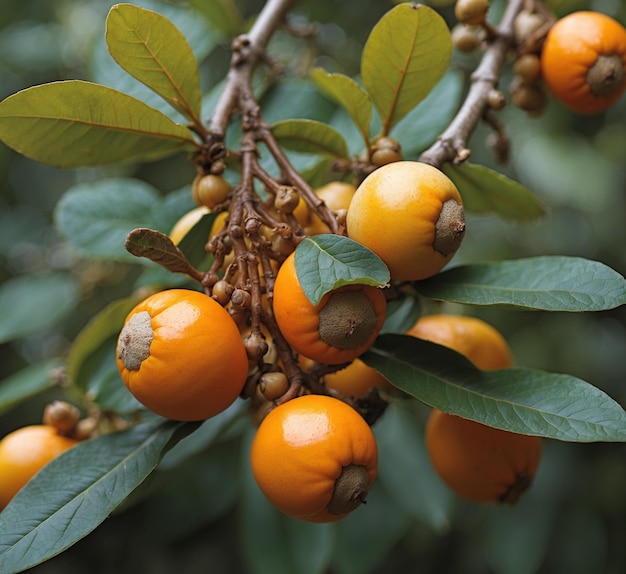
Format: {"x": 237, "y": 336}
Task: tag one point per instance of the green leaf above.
{"x": 75, "y": 123}
{"x": 194, "y": 242}
{"x": 519, "y": 400}
{"x": 487, "y": 191}
{"x": 223, "y": 14}
{"x": 422, "y": 125}
{"x": 103, "y": 327}
{"x": 548, "y": 283}
{"x": 402, "y": 314}
{"x": 150, "y": 48}
{"x": 199, "y": 34}
{"x": 159, "y": 248}
{"x": 25, "y": 384}
{"x": 310, "y": 136}
{"x": 405, "y": 55}
{"x": 295, "y": 98}
{"x": 404, "y": 467}
{"x": 78, "y": 490}
{"x": 210, "y": 432}
{"x": 96, "y": 218}
{"x": 348, "y": 94}
{"x": 326, "y": 262}
{"x": 33, "y": 303}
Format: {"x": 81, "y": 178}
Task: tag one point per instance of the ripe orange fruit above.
{"x": 472, "y": 337}
{"x": 181, "y": 355}
{"x": 356, "y": 380}
{"x": 411, "y": 215}
{"x": 342, "y": 326}
{"x": 480, "y": 463}
{"x": 314, "y": 458}
{"x": 583, "y": 61}
{"x": 337, "y": 196}
{"x": 24, "y": 452}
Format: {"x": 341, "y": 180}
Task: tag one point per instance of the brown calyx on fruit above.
{"x": 606, "y": 76}
{"x": 515, "y": 491}
{"x": 449, "y": 228}
{"x": 133, "y": 346}
{"x": 348, "y": 320}
{"x": 350, "y": 489}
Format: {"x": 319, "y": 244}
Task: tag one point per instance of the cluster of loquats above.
{"x": 580, "y": 58}
{"x": 252, "y": 331}
{"x": 314, "y": 455}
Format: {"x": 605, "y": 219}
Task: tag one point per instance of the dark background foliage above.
{"x": 206, "y": 516}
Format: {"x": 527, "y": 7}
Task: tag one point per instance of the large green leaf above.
{"x": 78, "y": 490}
{"x": 150, "y": 48}
{"x": 75, "y": 123}
{"x": 485, "y": 190}
{"x": 326, "y": 262}
{"x": 348, "y": 94}
{"x": 519, "y": 400}
{"x": 310, "y": 136}
{"x": 33, "y": 303}
{"x": 199, "y": 34}
{"x": 404, "y": 57}
{"x": 26, "y": 383}
{"x": 96, "y": 218}
{"x": 548, "y": 283}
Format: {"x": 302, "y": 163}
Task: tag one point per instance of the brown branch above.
{"x": 248, "y": 50}
{"x": 452, "y": 144}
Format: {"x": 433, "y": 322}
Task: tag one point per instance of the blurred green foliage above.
{"x": 207, "y": 515}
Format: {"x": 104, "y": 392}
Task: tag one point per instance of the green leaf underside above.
{"x": 326, "y": 262}
{"x": 51, "y": 297}
{"x": 152, "y": 50}
{"x": 547, "y": 283}
{"x": 26, "y": 383}
{"x": 348, "y": 94}
{"x": 487, "y": 191}
{"x": 96, "y": 218}
{"x": 159, "y": 248}
{"x": 75, "y": 123}
{"x": 310, "y": 136}
{"x": 404, "y": 57}
{"x": 519, "y": 400}
{"x": 424, "y": 123}
{"x": 78, "y": 490}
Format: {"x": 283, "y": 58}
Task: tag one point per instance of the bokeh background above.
{"x": 206, "y": 516}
